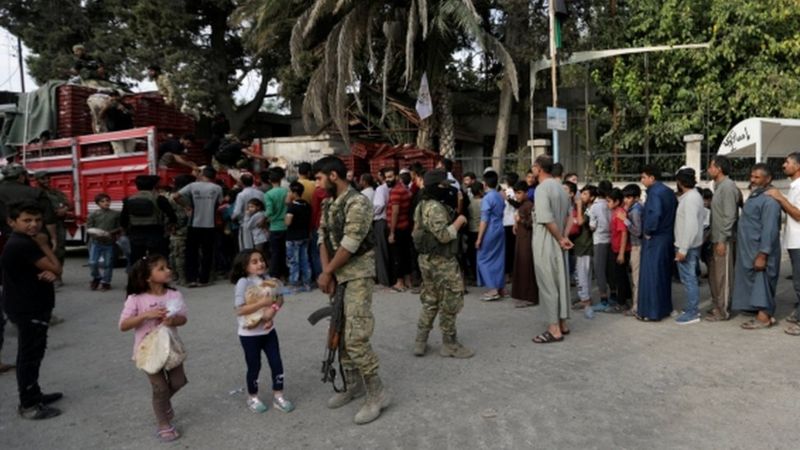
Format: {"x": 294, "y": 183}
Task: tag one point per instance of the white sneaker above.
{"x": 256, "y": 405}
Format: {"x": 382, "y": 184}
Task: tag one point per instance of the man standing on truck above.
{"x": 145, "y": 216}
{"x": 118, "y": 116}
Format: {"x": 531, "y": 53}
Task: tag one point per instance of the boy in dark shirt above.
{"x": 298, "y": 219}
{"x": 103, "y": 225}
{"x": 29, "y": 269}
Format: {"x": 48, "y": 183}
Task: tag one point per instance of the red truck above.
{"x": 78, "y": 170}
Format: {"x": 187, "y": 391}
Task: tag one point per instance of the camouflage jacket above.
{"x": 352, "y": 211}
{"x": 434, "y": 232}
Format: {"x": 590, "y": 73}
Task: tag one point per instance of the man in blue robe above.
{"x": 758, "y": 252}
{"x": 658, "y": 251}
{"x": 491, "y": 242}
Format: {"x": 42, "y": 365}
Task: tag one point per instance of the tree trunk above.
{"x": 447, "y": 131}
{"x": 425, "y": 134}
{"x": 503, "y": 121}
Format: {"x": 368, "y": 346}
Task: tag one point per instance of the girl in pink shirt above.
{"x": 152, "y": 302}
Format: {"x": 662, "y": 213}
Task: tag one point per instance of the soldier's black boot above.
{"x": 421, "y": 344}
{"x": 377, "y": 400}
{"x": 355, "y": 389}
{"x": 451, "y": 347}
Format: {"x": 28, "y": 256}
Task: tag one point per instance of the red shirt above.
{"x": 617, "y": 228}
{"x": 320, "y": 194}
{"x": 399, "y": 195}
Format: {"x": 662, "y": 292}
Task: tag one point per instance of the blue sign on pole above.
{"x": 556, "y": 119}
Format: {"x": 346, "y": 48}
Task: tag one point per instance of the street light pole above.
{"x": 21, "y": 67}
{"x": 553, "y": 70}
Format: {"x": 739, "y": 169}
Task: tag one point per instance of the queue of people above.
{"x": 416, "y": 227}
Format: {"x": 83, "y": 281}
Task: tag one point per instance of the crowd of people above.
{"x": 406, "y": 229}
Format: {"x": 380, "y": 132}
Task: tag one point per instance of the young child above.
{"x": 29, "y": 269}
{"x": 102, "y": 226}
{"x": 633, "y": 221}
{"x": 298, "y": 220}
{"x": 620, "y": 251}
{"x": 252, "y": 233}
{"x": 250, "y": 269}
{"x": 599, "y": 220}
{"x": 584, "y": 248}
{"x": 474, "y": 209}
{"x": 152, "y": 302}
{"x": 523, "y": 285}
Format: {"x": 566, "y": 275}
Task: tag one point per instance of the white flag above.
{"x": 424, "y": 103}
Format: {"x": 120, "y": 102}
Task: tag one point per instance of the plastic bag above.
{"x": 161, "y": 349}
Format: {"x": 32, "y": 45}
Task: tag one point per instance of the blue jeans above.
{"x": 106, "y": 252}
{"x": 313, "y": 250}
{"x": 687, "y": 270}
{"x": 297, "y": 259}
{"x": 253, "y": 346}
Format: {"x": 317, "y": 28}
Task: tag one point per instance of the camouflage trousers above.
{"x": 177, "y": 257}
{"x": 359, "y": 323}
{"x": 61, "y": 241}
{"x": 442, "y": 293}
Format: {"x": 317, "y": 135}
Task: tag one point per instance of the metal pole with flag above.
{"x": 424, "y": 102}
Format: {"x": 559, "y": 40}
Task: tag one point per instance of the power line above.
{"x": 11, "y": 77}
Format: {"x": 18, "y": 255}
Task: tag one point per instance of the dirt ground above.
{"x": 614, "y": 383}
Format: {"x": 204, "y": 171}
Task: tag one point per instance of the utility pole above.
{"x": 553, "y": 70}
{"x": 21, "y": 67}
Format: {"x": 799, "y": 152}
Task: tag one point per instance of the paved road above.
{"x": 615, "y": 383}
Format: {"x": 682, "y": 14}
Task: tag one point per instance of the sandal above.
{"x": 547, "y": 338}
{"x": 792, "y": 318}
{"x": 490, "y": 298}
{"x": 397, "y": 289}
{"x": 793, "y": 330}
{"x": 755, "y": 324}
{"x": 614, "y": 309}
{"x": 581, "y": 304}
{"x": 523, "y": 304}
{"x": 629, "y": 313}
{"x": 564, "y": 332}
{"x": 168, "y": 434}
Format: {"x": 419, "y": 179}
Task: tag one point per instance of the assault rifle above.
{"x": 335, "y": 343}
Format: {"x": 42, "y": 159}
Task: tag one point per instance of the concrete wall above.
{"x": 303, "y": 148}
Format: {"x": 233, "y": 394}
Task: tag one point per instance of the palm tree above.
{"x": 343, "y": 46}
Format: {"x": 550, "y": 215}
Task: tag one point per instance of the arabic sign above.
{"x": 737, "y": 138}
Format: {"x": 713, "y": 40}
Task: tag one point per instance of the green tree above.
{"x": 50, "y": 28}
{"x": 196, "y": 42}
{"x": 652, "y": 101}
{"x": 343, "y": 47}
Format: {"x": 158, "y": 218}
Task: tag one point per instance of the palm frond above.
{"x": 313, "y": 108}
{"x": 423, "y": 17}
{"x": 347, "y": 45}
{"x": 472, "y": 10}
{"x": 492, "y": 45}
{"x": 387, "y": 64}
{"x": 411, "y": 37}
{"x": 297, "y": 41}
{"x": 319, "y": 8}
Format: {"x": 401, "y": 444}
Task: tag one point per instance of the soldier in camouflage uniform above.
{"x": 61, "y": 207}
{"x": 436, "y": 239}
{"x": 346, "y": 249}
{"x": 177, "y": 238}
